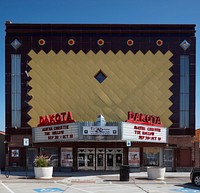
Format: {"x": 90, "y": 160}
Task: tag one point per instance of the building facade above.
{"x": 197, "y": 147}
{"x": 94, "y": 97}
{"x": 2, "y": 150}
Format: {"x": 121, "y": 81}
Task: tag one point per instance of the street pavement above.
{"x": 96, "y": 182}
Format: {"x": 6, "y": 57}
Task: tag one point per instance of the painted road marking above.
{"x": 7, "y": 188}
{"x": 80, "y": 190}
{"x": 186, "y": 190}
{"x": 48, "y": 190}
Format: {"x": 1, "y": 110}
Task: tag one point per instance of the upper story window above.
{"x": 16, "y": 90}
{"x": 184, "y": 91}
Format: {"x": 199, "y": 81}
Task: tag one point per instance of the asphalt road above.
{"x": 138, "y": 183}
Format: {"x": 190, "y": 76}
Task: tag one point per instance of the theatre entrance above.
{"x": 99, "y": 158}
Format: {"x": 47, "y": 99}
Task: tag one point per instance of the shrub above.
{"x": 42, "y": 161}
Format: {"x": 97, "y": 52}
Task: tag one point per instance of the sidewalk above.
{"x": 93, "y": 177}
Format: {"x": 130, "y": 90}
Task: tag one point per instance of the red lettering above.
{"x": 153, "y": 129}
{"x": 153, "y": 138}
{"x": 57, "y": 132}
{"x": 44, "y": 120}
{"x": 65, "y": 126}
{"x": 52, "y": 119}
{"x": 47, "y": 133}
{"x": 69, "y": 116}
{"x": 147, "y": 133}
{"x": 137, "y": 117}
{"x": 65, "y": 136}
{"x": 50, "y": 137}
{"x": 65, "y": 117}
{"x": 58, "y": 118}
{"x": 158, "y": 121}
{"x": 140, "y": 118}
{"x": 130, "y": 115}
{"x": 141, "y": 137}
{"x": 139, "y": 127}
{"x": 137, "y": 132}
{"x": 148, "y": 119}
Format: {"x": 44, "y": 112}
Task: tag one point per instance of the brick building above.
{"x": 139, "y": 80}
{"x": 197, "y": 147}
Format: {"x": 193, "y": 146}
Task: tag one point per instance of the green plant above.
{"x": 42, "y": 161}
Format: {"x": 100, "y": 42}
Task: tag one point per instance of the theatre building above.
{"x": 97, "y": 96}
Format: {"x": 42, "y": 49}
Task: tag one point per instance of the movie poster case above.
{"x": 66, "y": 157}
{"x": 134, "y": 157}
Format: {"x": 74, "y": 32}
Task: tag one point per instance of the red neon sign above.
{"x": 54, "y": 119}
{"x": 140, "y": 118}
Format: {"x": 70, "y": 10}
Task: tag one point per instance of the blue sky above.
{"x": 98, "y": 11}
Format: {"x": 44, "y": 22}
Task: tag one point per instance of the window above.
{"x": 51, "y": 153}
{"x": 151, "y": 156}
{"x": 184, "y": 91}
{"x": 16, "y": 89}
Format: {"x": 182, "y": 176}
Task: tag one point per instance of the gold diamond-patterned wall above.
{"x": 65, "y": 82}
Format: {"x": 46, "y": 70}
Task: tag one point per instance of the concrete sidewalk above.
{"x": 94, "y": 177}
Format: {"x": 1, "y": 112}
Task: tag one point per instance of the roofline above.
{"x": 29, "y": 28}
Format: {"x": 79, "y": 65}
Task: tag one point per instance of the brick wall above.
{"x": 17, "y": 140}
{"x": 183, "y": 144}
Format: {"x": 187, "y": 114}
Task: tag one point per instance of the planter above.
{"x": 43, "y": 172}
{"x": 156, "y": 173}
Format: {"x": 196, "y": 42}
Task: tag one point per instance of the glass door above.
{"x": 90, "y": 159}
{"x": 100, "y": 159}
{"x": 114, "y": 158}
{"x": 168, "y": 159}
{"x": 81, "y": 159}
{"x": 86, "y": 159}
{"x": 118, "y": 158}
{"x": 31, "y": 153}
{"x": 110, "y": 159}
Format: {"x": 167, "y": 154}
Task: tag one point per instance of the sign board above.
{"x": 144, "y": 133}
{"x": 26, "y": 141}
{"x": 55, "y": 133}
{"x": 100, "y": 130}
{"x": 128, "y": 143}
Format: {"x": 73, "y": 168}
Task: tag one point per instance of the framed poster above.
{"x": 15, "y": 153}
{"x": 66, "y": 157}
{"x": 134, "y": 157}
